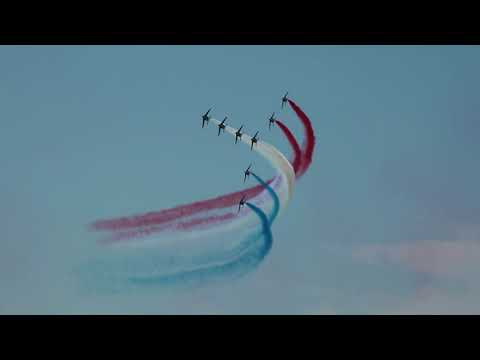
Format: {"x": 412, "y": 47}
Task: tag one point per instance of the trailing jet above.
{"x": 238, "y": 134}
{"x": 271, "y": 121}
{"x": 206, "y": 118}
{"x": 247, "y": 173}
{"x": 284, "y": 99}
{"x": 221, "y": 126}
{"x": 241, "y": 203}
{"x": 254, "y": 140}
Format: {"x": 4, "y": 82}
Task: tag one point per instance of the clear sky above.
{"x": 385, "y": 221}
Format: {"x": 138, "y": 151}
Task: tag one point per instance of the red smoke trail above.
{"x": 309, "y": 142}
{"x": 301, "y": 162}
{"x": 213, "y": 219}
{"x": 297, "y": 158}
{"x": 181, "y": 226}
{"x": 162, "y": 216}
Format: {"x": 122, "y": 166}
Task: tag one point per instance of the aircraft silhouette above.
{"x": 271, "y": 121}
{"x": 238, "y": 134}
{"x": 221, "y": 126}
{"x": 284, "y": 99}
{"x": 241, "y": 203}
{"x": 254, "y": 140}
{"x": 247, "y": 173}
{"x": 205, "y": 118}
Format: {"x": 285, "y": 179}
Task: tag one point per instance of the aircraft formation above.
{"x": 238, "y": 135}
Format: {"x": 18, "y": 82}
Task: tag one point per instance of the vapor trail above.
{"x": 283, "y": 184}
{"x": 254, "y": 249}
{"x": 159, "y": 220}
{"x": 298, "y": 154}
{"x": 141, "y": 270}
{"x": 309, "y": 141}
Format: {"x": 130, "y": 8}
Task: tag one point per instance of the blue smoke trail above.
{"x": 244, "y": 245}
{"x": 266, "y": 229}
{"x": 243, "y": 264}
{"x": 105, "y": 277}
{"x": 276, "y": 201}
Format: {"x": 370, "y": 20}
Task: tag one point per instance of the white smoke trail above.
{"x": 276, "y": 159}
{"x": 147, "y": 259}
{"x": 282, "y": 184}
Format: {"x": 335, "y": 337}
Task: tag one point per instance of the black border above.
{"x": 317, "y": 329}
{"x": 249, "y": 334}
{"x": 242, "y": 23}
{"x": 240, "y": 37}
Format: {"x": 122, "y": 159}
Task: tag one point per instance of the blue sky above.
{"x": 385, "y": 221}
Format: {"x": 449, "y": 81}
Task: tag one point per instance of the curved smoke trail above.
{"x": 220, "y": 262}
{"x": 283, "y": 184}
{"x": 253, "y": 252}
{"x": 203, "y": 220}
{"x": 159, "y": 220}
{"x": 223, "y": 265}
{"x": 279, "y": 162}
{"x": 298, "y": 158}
{"x": 276, "y": 204}
{"x": 309, "y": 142}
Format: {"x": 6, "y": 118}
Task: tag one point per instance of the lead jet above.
{"x": 284, "y": 99}
{"x": 241, "y": 203}
{"x": 271, "y": 121}
{"x": 221, "y": 126}
{"x": 247, "y": 173}
{"x": 238, "y": 134}
{"x": 206, "y": 118}
{"x": 254, "y": 140}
